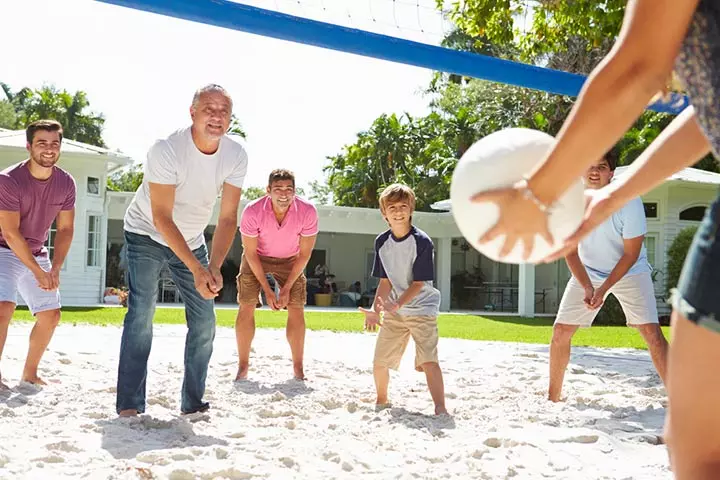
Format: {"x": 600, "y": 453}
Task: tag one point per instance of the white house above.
{"x": 83, "y": 274}
{"x": 346, "y": 238}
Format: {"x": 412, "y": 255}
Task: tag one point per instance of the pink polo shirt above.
{"x": 274, "y": 239}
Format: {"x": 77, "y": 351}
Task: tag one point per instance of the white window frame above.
{"x": 98, "y": 242}
{"x": 87, "y": 186}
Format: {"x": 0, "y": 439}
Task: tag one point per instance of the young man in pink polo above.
{"x": 278, "y": 235}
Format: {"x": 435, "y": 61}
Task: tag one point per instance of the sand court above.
{"x": 271, "y": 426}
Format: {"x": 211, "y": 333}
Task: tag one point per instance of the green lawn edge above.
{"x": 469, "y": 327}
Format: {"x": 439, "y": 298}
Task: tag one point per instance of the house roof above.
{"x": 16, "y": 139}
{"x": 690, "y": 175}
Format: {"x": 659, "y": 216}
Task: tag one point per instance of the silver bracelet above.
{"x": 528, "y": 194}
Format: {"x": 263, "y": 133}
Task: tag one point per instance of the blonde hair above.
{"x": 397, "y": 192}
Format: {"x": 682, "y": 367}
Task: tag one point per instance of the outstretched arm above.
{"x": 616, "y": 92}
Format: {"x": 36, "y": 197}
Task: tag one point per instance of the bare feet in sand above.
{"x": 298, "y": 372}
{"x": 440, "y": 410}
{"x": 130, "y": 412}
{"x": 33, "y": 379}
{"x": 242, "y": 373}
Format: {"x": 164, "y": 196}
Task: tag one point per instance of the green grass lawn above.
{"x": 472, "y": 327}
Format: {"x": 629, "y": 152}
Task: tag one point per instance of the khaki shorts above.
{"x": 249, "y": 287}
{"x": 635, "y": 293}
{"x": 393, "y": 338}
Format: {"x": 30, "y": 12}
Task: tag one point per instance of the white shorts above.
{"x": 635, "y": 293}
{"x": 16, "y": 277}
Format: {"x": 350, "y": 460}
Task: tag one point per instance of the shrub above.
{"x": 676, "y": 256}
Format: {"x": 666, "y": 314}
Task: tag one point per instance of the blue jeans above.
{"x": 146, "y": 258}
{"x": 696, "y": 296}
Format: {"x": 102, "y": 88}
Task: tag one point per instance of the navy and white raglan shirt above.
{"x": 404, "y": 261}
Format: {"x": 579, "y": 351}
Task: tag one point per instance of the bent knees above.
{"x": 563, "y": 333}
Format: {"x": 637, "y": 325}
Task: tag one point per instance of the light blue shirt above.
{"x": 601, "y": 250}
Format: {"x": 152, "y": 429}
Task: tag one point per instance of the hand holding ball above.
{"x": 499, "y": 161}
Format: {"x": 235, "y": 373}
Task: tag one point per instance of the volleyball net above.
{"x": 373, "y": 34}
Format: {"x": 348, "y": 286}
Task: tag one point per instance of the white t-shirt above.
{"x": 601, "y": 250}
{"x": 198, "y": 179}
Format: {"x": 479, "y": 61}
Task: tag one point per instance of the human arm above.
{"x": 612, "y": 98}
{"x": 306, "y": 247}
{"x": 162, "y": 200}
{"x": 10, "y": 227}
{"x": 578, "y": 271}
{"x": 631, "y": 252}
{"x": 64, "y": 231}
{"x": 225, "y": 230}
{"x": 251, "y": 257}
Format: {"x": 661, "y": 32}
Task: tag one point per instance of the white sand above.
{"x": 269, "y": 427}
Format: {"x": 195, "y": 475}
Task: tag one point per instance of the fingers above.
{"x": 510, "y": 241}
{"x": 528, "y": 243}
{"x": 492, "y": 233}
{"x": 546, "y": 235}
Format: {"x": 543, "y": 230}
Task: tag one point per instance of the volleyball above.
{"x": 499, "y": 160}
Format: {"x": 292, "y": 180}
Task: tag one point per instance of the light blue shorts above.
{"x": 16, "y": 278}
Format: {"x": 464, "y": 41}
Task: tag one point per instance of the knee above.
{"x": 50, "y": 318}
{"x": 246, "y": 314}
{"x": 652, "y": 334}
{"x": 562, "y": 334}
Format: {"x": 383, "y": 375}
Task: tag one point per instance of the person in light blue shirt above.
{"x": 611, "y": 259}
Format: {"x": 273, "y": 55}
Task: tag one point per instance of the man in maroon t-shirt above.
{"x": 33, "y": 194}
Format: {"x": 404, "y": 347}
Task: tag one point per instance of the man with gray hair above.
{"x": 164, "y": 227}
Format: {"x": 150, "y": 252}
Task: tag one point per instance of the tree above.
{"x": 253, "y": 193}
{"x": 8, "y": 118}
{"x": 538, "y": 28}
{"x": 126, "y": 180}
{"x": 236, "y": 127}
{"x": 50, "y": 103}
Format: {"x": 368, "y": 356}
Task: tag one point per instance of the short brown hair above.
{"x": 46, "y": 125}
{"x": 611, "y": 157}
{"x": 281, "y": 174}
{"x": 397, "y": 192}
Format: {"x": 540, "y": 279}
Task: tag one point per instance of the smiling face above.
{"x": 598, "y": 175}
{"x": 398, "y": 214}
{"x": 211, "y": 114}
{"x": 45, "y": 148}
{"x": 282, "y": 194}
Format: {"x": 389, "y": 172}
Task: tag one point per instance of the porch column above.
{"x": 526, "y": 290}
{"x": 443, "y": 272}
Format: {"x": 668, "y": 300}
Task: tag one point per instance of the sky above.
{"x": 297, "y": 103}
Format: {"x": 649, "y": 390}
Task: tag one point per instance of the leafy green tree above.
{"x": 70, "y": 109}
{"x": 126, "y": 180}
{"x": 7, "y": 115}
{"x": 539, "y": 28}
{"x": 253, "y": 193}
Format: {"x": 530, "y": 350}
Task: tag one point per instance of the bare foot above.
{"x": 298, "y": 372}
{"x": 242, "y": 373}
{"x": 130, "y": 412}
{"x": 33, "y": 379}
{"x": 440, "y": 410}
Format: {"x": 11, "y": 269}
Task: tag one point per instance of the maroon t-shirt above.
{"x": 38, "y": 201}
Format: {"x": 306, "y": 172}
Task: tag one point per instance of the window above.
{"x": 694, "y": 214}
{"x": 651, "y": 209}
{"x": 93, "y": 244}
{"x": 650, "y": 246}
{"x": 93, "y": 186}
{"x": 50, "y": 244}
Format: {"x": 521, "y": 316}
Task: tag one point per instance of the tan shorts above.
{"x": 635, "y": 293}
{"x": 249, "y": 287}
{"x": 394, "y": 335}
